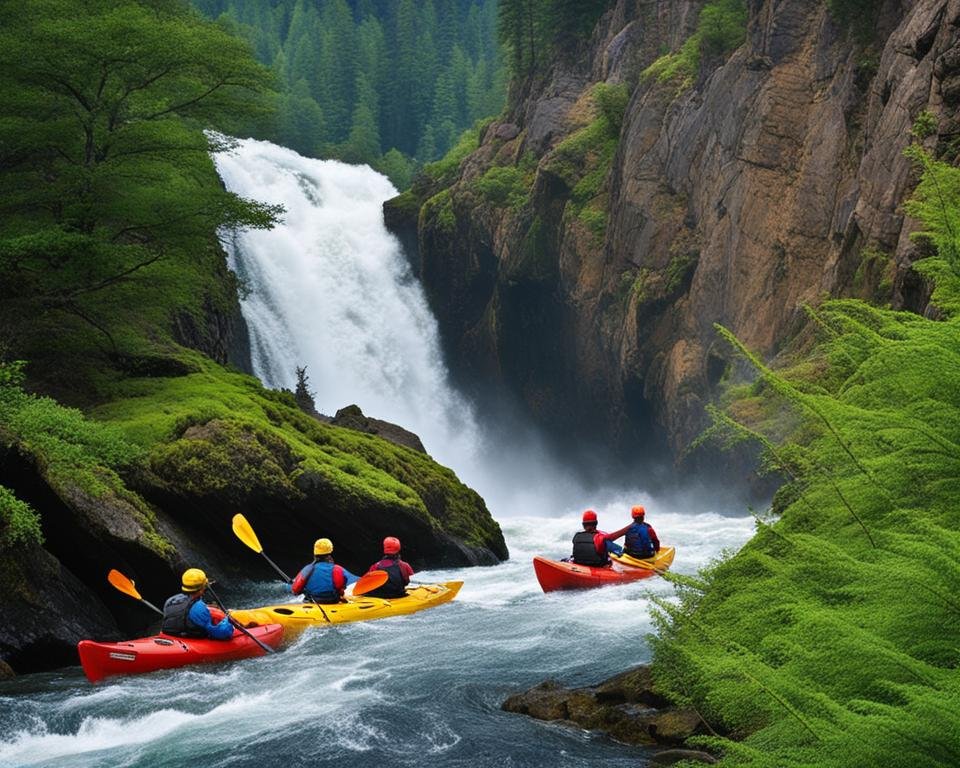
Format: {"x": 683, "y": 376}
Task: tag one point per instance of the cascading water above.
{"x": 330, "y": 289}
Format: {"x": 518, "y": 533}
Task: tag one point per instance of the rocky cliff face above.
{"x": 772, "y": 179}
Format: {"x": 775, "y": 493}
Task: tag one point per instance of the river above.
{"x": 331, "y": 289}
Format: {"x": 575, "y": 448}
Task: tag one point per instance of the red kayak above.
{"x": 555, "y": 574}
{"x": 147, "y": 654}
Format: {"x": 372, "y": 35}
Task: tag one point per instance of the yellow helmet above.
{"x": 322, "y": 547}
{"x": 193, "y": 580}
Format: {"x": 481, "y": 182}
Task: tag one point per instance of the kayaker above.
{"x": 322, "y": 581}
{"x": 641, "y": 540}
{"x": 593, "y": 547}
{"x": 398, "y": 572}
{"x": 186, "y": 615}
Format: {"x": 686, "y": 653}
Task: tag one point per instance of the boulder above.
{"x": 627, "y": 707}
{"x": 352, "y": 418}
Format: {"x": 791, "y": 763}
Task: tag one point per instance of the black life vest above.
{"x": 394, "y": 586}
{"x": 638, "y": 543}
{"x": 175, "y": 617}
{"x": 585, "y": 553}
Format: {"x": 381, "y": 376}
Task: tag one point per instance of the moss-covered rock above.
{"x": 628, "y": 707}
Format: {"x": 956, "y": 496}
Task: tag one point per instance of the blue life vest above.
{"x": 319, "y": 587}
{"x": 637, "y": 542}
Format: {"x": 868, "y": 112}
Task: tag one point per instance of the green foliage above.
{"x": 830, "y": 639}
{"x": 936, "y": 202}
{"x": 444, "y": 171}
{"x": 19, "y": 523}
{"x": 107, "y": 189}
{"x": 72, "y": 448}
{"x": 721, "y": 29}
{"x": 503, "y": 187}
{"x": 438, "y": 212}
{"x": 359, "y": 77}
{"x": 245, "y": 437}
{"x": 536, "y": 31}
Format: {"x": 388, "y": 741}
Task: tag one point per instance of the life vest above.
{"x": 638, "y": 543}
{"x": 395, "y": 586}
{"x": 584, "y": 551}
{"x": 176, "y": 620}
{"x": 319, "y": 587}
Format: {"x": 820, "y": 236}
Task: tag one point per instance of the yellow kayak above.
{"x": 659, "y": 562}
{"x": 298, "y": 616}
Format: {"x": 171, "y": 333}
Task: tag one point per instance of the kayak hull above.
{"x": 148, "y": 654}
{"x": 296, "y": 617}
{"x": 555, "y": 575}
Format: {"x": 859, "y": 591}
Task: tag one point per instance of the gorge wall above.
{"x": 592, "y": 273}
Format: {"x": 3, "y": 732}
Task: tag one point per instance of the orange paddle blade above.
{"x": 369, "y": 582}
{"x": 125, "y": 585}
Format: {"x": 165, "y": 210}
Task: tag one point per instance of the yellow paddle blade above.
{"x": 369, "y": 582}
{"x": 244, "y": 532}
{"x": 122, "y": 583}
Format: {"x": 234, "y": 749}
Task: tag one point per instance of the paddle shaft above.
{"x": 277, "y": 568}
{"x": 237, "y": 624}
{"x": 151, "y": 605}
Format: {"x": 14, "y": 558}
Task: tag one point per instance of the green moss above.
{"x": 249, "y": 437}
{"x": 438, "y": 212}
{"x": 503, "y": 187}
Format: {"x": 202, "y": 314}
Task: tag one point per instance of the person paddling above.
{"x": 398, "y": 572}
{"x": 186, "y": 615}
{"x": 641, "y": 541}
{"x": 322, "y": 581}
{"x": 592, "y": 547}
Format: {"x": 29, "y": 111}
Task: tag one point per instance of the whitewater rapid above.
{"x": 420, "y": 690}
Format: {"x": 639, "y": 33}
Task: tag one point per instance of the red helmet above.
{"x": 638, "y": 511}
{"x": 391, "y": 545}
{"x": 589, "y": 516}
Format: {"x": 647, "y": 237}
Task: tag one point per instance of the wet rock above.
{"x": 6, "y": 671}
{"x": 627, "y": 707}
{"x": 674, "y": 756}
{"x": 46, "y": 610}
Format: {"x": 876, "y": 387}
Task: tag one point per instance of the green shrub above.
{"x": 721, "y": 29}
{"x": 19, "y": 523}
{"x": 503, "y": 187}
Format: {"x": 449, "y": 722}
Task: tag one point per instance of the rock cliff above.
{"x": 582, "y": 253}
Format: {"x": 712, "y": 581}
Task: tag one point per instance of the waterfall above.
{"x": 330, "y": 288}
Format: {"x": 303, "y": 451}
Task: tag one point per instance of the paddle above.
{"x": 237, "y": 624}
{"x": 369, "y": 582}
{"x": 125, "y": 585}
{"x": 244, "y": 532}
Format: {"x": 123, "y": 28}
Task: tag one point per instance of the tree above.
{"x": 104, "y": 170}
{"x": 303, "y": 395}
